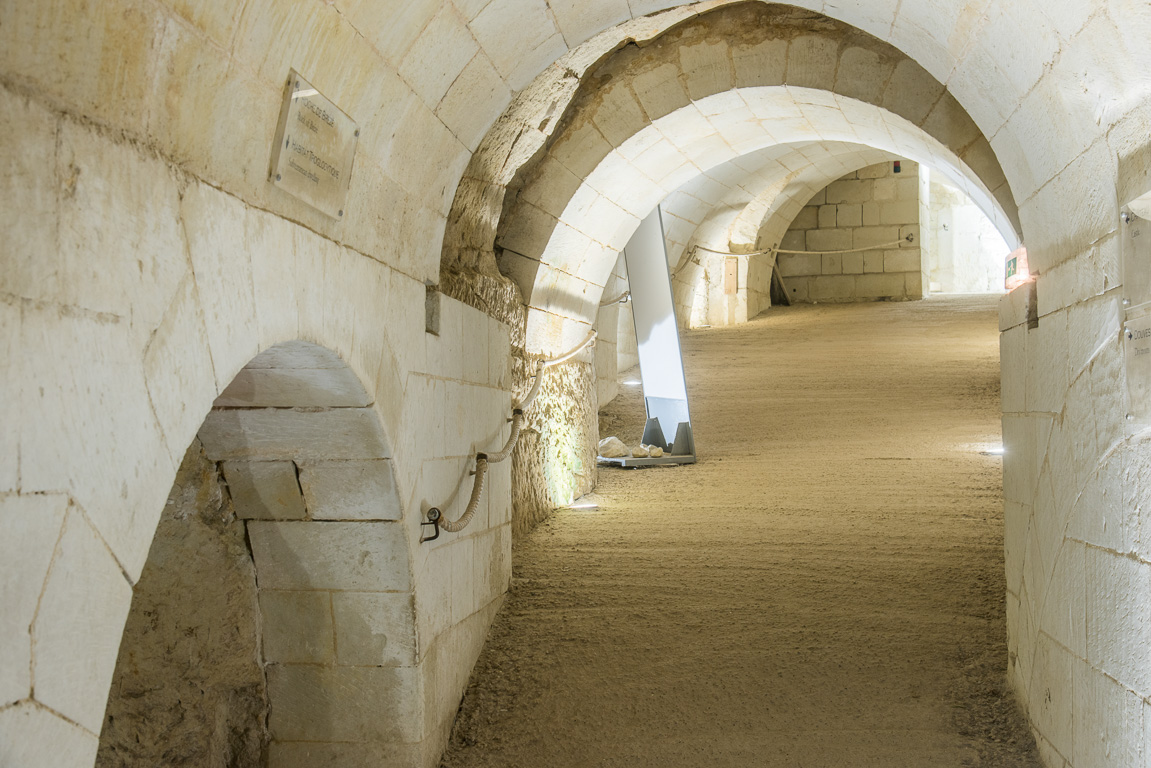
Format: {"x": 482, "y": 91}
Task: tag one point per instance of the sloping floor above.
{"x": 824, "y": 589}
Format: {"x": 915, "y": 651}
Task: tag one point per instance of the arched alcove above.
{"x": 274, "y": 619}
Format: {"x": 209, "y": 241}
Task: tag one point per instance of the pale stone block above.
{"x": 884, "y": 190}
{"x": 826, "y": 218}
{"x": 308, "y": 754}
{"x": 84, "y": 409}
{"x": 345, "y": 704}
{"x": 1015, "y": 521}
{"x": 619, "y": 116}
{"x": 1107, "y": 728}
{"x": 852, "y": 263}
{"x": 351, "y": 490}
{"x": 829, "y": 239}
{"x": 659, "y": 91}
{"x": 11, "y": 376}
{"x": 794, "y": 240}
{"x": 950, "y": 124}
{"x": 297, "y": 627}
{"x": 872, "y": 261}
{"x": 375, "y": 629}
{"x": 791, "y": 264}
{"x": 31, "y": 736}
{"x": 359, "y": 556}
{"x": 435, "y": 61}
{"x": 819, "y": 198}
{"x": 901, "y": 212}
{"x": 880, "y": 285}
{"x": 580, "y": 150}
{"x": 811, "y": 61}
{"x": 78, "y": 626}
{"x": 862, "y": 74}
{"x": 264, "y": 490}
{"x": 849, "y": 191}
{"x": 1047, "y": 364}
{"x": 870, "y": 213}
{"x": 907, "y": 188}
{"x": 1013, "y": 306}
{"x": 278, "y": 433}
{"x": 1052, "y": 697}
{"x": 911, "y": 92}
{"x": 579, "y": 21}
{"x": 1118, "y": 618}
{"x": 832, "y": 264}
{"x": 901, "y": 261}
{"x": 832, "y": 287}
{"x": 917, "y": 284}
{"x": 760, "y": 64}
{"x": 31, "y": 526}
{"x": 848, "y": 215}
{"x": 707, "y": 68}
{"x": 1063, "y": 615}
{"x": 178, "y": 369}
{"x": 876, "y": 171}
{"x": 28, "y": 155}
{"x": 294, "y": 388}
{"x": 214, "y": 223}
{"x": 868, "y": 237}
{"x": 1013, "y": 369}
{"x": 799, "y": 288}
{"x": 120, "y": 248}
{"x": 474, "y": 101}
{"x": 807, "y": 218}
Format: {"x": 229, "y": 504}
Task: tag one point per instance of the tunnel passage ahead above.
{"x": 825, "y": 588}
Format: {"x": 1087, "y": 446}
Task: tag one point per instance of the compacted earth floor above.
{"x": 823, "y": 589}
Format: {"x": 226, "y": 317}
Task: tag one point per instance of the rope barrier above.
{"x": 880, "y": 246}
{"x": 483, "y": 460}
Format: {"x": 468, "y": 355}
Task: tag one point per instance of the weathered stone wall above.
{"x": 189, "y": 688}
{"x": 870, "y": 207}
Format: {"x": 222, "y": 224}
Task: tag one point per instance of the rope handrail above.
{"x": 483, "y": 460}
{"x": 880, "y": 246}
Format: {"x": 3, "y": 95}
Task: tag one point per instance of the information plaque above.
{"x": 315, "y": 146}
{"x": 1137, "y": 360}
{"x": 1135, "y": 251}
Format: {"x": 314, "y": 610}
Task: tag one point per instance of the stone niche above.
{"x": 189, "y": 687}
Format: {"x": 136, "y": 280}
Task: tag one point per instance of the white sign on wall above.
{"x": 315, "y": 147}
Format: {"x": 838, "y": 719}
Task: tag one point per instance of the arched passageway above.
{"x": 825, "y": 588}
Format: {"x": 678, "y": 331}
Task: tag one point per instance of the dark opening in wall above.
{"x": 189, "y": 687}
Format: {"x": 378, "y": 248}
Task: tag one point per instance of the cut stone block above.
{"x": 294, "y": 388}
{"x": 297, "y": 626}
{"x": 344, "y": 704}
{"x": 370, "y": 557}
{"x": 340, "y": 433}
{"x": 264, "y": 490}
{"x": 31, "y": 526}
{"x": 374, "y": 629}
{"x": 33, "y": 737}
{"x": 351, "y": 490}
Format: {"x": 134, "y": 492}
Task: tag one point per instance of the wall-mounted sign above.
{"x": 315, "y": 146}
{"x": 1135, "y": 252}
{"x": 1137, "y": 359}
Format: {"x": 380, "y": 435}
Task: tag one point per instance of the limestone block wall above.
{"x": 133, "y": 294}
{"x": 869, "y": 207}
{"x": 1077, "y": 519}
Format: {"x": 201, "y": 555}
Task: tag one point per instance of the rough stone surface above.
{"x": 189, "y": 687}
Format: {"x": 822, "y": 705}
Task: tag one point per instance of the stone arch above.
{"x": 561, "y": 241}
{"x": 714, "y": 57}
{"x": 310, "y": 479}
{"x": 758, "y": 192}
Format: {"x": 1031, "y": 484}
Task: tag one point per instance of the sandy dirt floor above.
{"x": 823, "y": 589}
